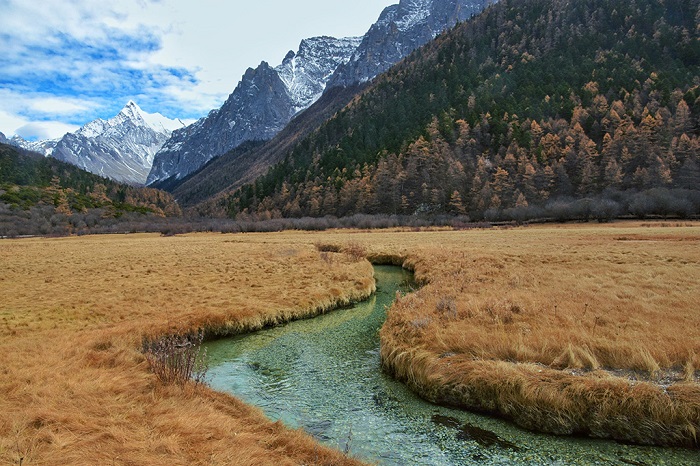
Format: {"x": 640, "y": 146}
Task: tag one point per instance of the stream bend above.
{"x": 323, "y": 375}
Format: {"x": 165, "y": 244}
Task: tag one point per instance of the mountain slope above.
{"x": 264, "y": 101}
{"x": 531, "y": 102}
{"x": 250, "y": 160}
{"x": 401, "y": 29}
{"x": 29, "y": 180}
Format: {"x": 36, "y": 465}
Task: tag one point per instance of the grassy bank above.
{"x": 77, "y": 390}
{"x": 570, "y": 330}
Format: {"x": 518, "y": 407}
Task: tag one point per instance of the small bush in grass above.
{"x": 177, "y": 358}
{"x": 325, "y": 247}
{"x": 447, "y": 306}
{"x": 355, "y": 250}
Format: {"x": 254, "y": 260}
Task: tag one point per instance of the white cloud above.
{"x": 60, "y": 106}
{"x": 33, "y": 130}
{"x": 76, "y": 60}
{"x": 9, "y": 122}
{"x": 38, "y": 130}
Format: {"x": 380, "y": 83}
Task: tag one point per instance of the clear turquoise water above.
{"x": 323, "y": 375}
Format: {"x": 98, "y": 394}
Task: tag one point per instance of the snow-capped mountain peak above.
{"x": 121, "y": 147}
{"x": 306, "y": 72}
{"x": 155, "y": 121}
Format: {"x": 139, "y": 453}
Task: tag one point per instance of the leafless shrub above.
{"x": 326, "y": 247}
{"x": 447, "y": 306}
{"x": 422, "y": 322}
{"x": 177, "y": 358}
{"x": 355, "y": 250}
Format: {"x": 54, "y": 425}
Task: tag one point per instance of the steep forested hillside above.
{"x": 591, "y": 106}
{"x": 42, "y": 195}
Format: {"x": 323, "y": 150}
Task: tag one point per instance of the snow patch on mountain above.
{"x": 306, "y": 72}
{"x": 407, "y": 14}
{"x": 44, "y": 147}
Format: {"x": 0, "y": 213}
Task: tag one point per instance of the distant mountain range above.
{"x": 137, "y": 148}
{"x": 121, "y": 148}
{"x": 268, "y": 98}
{"x": 44, "y": 147}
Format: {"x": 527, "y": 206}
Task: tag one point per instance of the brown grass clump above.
{"x": 76, "y": 388}
{"x": 562, "y": 329}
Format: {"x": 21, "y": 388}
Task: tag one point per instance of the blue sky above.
{"x": 67, "y": 62}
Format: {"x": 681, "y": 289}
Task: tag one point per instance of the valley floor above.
{"x": 562, "y": 328}
{"x": 76, "y": 388}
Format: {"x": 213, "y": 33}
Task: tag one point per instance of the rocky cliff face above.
{"x": 121, "y": 148}
{"x": 306, "y": 72}
{"x": 262, "y": 104}
{"x": 400, "y": 30}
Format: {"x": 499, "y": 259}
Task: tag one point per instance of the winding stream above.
{"x": 323, "y": 375}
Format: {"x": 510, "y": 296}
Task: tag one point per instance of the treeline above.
{"x": 43, "y": 221}
{"x": 42, "y": 195}
{"x": 532, "y": 105}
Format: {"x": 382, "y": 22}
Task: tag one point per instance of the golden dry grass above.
{"x": 75, "y": 387}
{"x": 576, "y": 329}
{"x": 565, "y": 329}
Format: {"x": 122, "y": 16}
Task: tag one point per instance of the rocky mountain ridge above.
{"x": 400, "y": 30}
{"x": 44, "y": 147}
{"x": 264, "y": 101}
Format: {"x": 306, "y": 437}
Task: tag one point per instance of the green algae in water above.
{"x": 323, "y": 375}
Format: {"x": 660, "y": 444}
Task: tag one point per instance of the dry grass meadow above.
{"x": 568, "y": 329}
{"x": 571, "y": 330}
{"x": 76, "y": 388}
